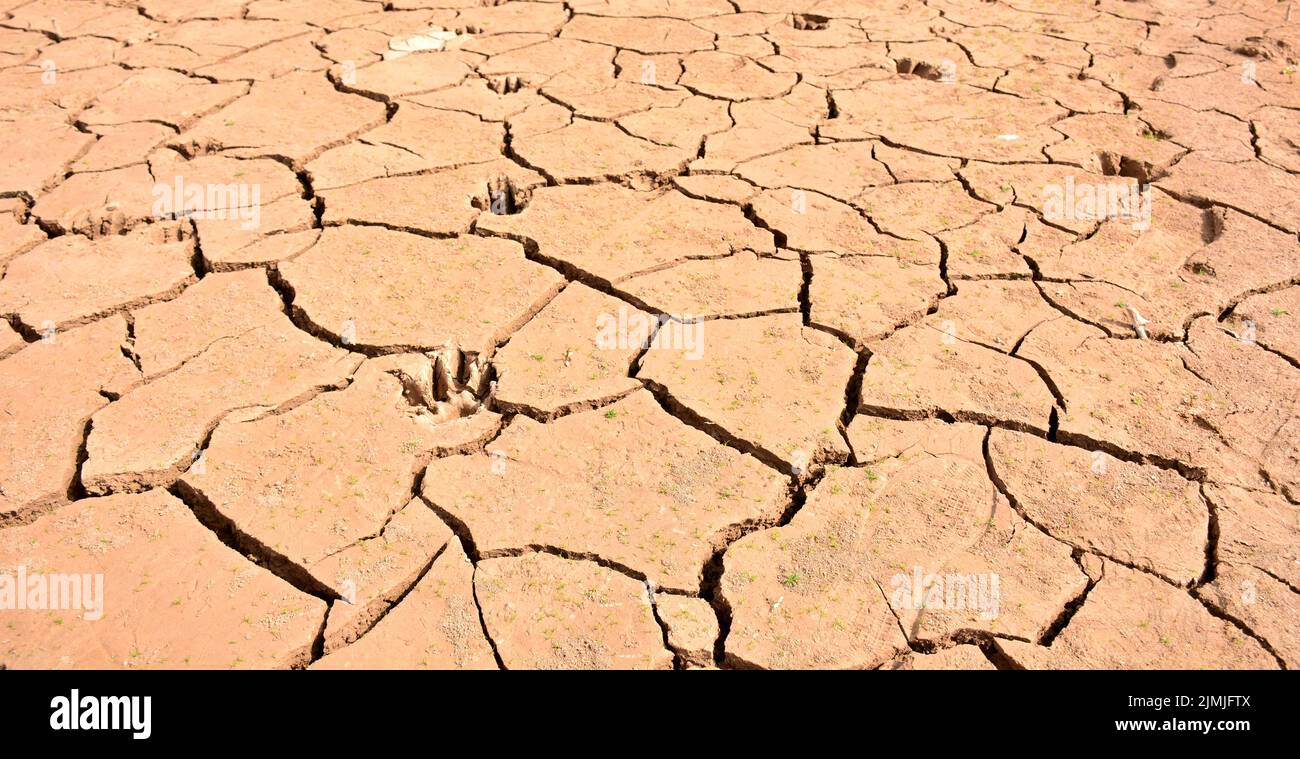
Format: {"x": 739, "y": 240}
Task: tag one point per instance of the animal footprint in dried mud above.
{"x": 810, "y": 22}
{"x": 506, "y": 85}
{"x": 503, "y": 198}
{"x": 924, "y": 70}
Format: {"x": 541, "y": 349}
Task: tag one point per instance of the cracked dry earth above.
{"x": 404, "y": 396}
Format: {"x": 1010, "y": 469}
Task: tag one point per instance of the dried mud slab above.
{"x": 306, "y": 484}
{"x": 865, "y": 298}
{"x": 152, "y": 434}
{"x": 988, "y": 120}
{"x": 577, "y": 353}
{"x": 246, "y": 211}
{"x": 122, "y": 146}
{"x": 99, "y": 202}
{"x": 926, "y": 370}
{"x": 1132, "y": 620}
{"x": 397, "y": 292}
{"x": 162, "y": 96}
{"x": 10, "y": 340}
{"x": 875, "y": 438}
{"x": 606, "y": 100}
{"x": 950, "y": 552}
{"x": 718, "y": 188}
{"x": 645, "y": 35}
{"x": 1254, "y": 188}
{"x": 186, "y": 601}
{"x": 545, "y": 612}
{"x": 412, "y": 74}
{"x": 1261, "y": 394}
{"x": 914, "y": 209}
{"x": 16, "y": 237}
{"x": 805, "y": 596}
{"x": 70, "y": 19}
{"x": 1257, "y": 530}
{"x": 814, "y": 223}
{"x": 31, "y": 171}
{"x": 487, "y": 99}
{"x": 295, "y": 117}
{"x": 47, "y": 392}
{"x": 586, "y": 151}
{"x": 1268, "y": 608}
{"x": 833, "y": 69}
{"x": 994, "y": 313}
{"x": 515, "y": 18}
{"x": 73, "y": 279}
{"x": 838, "y": 170}
{"x": 770, "y": 383}
{"x": 639, "y": 231}
{"x": 1275, "y": 317}
{"x": 1064, "y": 86}
{"x": 1168, "y": 271}
{"x": 1138, "y": 515}
{"x": 434, "y": 626}
{"x": 1136, "y": 399}
{"x": 547, "y": 58}
{"x": 687, "y": 125}
{"x": 20, "y": 46}
{"x": 692, "y": 627}
{"x": 759, "y": 128}
{"x": 27, "y": 89}
{"x": 735, "y": 286}
{"x": 1210, "y": 134}
{"x": 1278, "y": 137}
{"x": 1010, "y": 48}
{"x": 262, "y": 250}
{"x": 375, "y": 573}
{"x": 733, "y": 77}
{"x": 957, "y": 657}
{"x": 1047, "y": 189}
{"x": 442, "y": 203}
{"x": 217, "y": 307}
{"x": 910, "y": 166}
{"x": 274, "y": 181}
{"x": 270, "y": 61}
{"x": 208, "y": 35}
{"x": 699, "y": 12}
{"x": 1101, "y": 141}
{"x": 417, "y": 139}
{"x": 1000, "y": 245}
{"x": 629, "y": 484}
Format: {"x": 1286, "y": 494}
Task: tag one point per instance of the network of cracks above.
{"x": 645, "y": 333}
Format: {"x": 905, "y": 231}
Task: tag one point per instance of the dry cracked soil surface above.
{"x": 904, "y": 334}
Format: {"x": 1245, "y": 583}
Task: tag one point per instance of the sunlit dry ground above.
{"x": 334, "y": 334}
